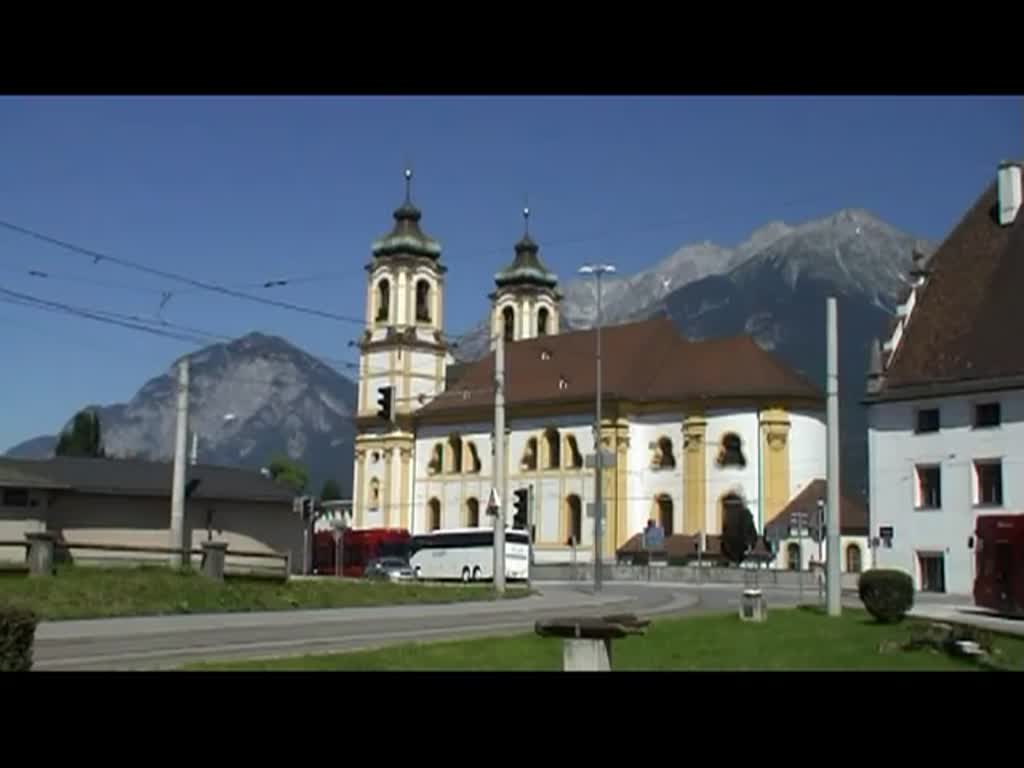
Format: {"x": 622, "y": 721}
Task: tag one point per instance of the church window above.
{"x": 433, "y": 515}
{"x": 472, "y": 513}
{"x": 664, "y": 458}
{"x": 383, "y": 300}
{"x": 572, "y": 450}
{"x": 552, "y": 444}
{"x": 422, "y": 301}
{"x": 730, "y": 453}
{"x": 436, "y": 460}
{"x": 574, "y": 519}
{"x": 474, "y": 458}
{"x": 374, "y": 493}
{"x": 665, "y": 509}
{"x": 509, "y": 316}
{"x": 529, "y": 460}
{"x": 455, "y": 446}
{"x": 542, "y": 322}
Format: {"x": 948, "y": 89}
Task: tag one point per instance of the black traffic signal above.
{"x": 522, "y": 506}
{"x": 385, "y": 404}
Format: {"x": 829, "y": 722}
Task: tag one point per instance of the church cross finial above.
{"x": 408, "y": 185}
{"x": 526, "y": 216}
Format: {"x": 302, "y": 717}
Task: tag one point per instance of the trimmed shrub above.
{"x": 887, "y": 594}
{"x": 17, "y": 635}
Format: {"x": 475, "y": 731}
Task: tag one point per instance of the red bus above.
{"x": 358, "y": 546}
{"x": 999, "y": 564}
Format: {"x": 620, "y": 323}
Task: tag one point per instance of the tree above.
{"x": 331, "y": 490}
{"x": 290, "y": 473}
{"x": 739, "y": 535}
{"x": 83, "y": 438}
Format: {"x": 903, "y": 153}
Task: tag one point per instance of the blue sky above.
{"x": 243, "y": 190}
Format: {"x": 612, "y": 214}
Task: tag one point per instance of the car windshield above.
{"x": 392, "y": 562}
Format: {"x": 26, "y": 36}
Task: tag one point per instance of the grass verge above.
{"x": 794, "y": 639}
{"x": 94, "y": 592}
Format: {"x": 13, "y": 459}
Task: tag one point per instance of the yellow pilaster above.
{"x": 694, "y": 474}
{"x": 775, "y": 428}
{"x": 360, "y": 492}
{"x": 406, "y": 499}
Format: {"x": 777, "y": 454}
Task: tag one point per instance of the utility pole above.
{"x": 500, "y": 468}
{"x": 832, "y": 556}
{"x": 178, "y": 486}
{"x": 597, "y": 270}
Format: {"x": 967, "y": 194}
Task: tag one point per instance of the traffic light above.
{"x": 384, "y": 403}
{"x": 522, "y": 506}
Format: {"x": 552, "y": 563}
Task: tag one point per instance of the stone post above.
{"x": 40, "y": 553}
{"x": 590, "y": 655}
{"x": 213, "y": 559}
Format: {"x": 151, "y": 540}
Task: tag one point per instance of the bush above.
{"x": 887, "y": 594}
{"x": 17, "y": 635}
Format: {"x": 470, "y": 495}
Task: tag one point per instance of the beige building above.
{"x": 125, "y": 502}
{"x": 695, "y": 428}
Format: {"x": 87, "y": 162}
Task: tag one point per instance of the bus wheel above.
{"x": 476, "y": 573}
{"x": 465, "y": 574}
{"x": 418, "y": 573}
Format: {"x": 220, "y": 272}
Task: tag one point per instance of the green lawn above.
{"x": 93, "y": 592}
{"x": 802, "y": 639}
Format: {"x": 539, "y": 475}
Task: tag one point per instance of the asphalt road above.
{"x": 168, "y": 642}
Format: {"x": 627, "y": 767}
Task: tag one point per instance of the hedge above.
{"x": 17, "y": 635}
{"x": 887, "y": 594}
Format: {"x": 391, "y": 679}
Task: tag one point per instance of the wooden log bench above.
{"x": 587, "y": 641}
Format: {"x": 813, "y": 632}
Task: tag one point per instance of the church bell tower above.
{"x": 403, "y": 354}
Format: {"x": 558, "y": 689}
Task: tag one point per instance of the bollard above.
{"x": 40, "y": 553}
{"x": 213, "y": 559}
{"x": 753, "y": 606}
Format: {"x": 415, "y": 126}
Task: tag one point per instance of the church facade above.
{"x": 692, "y": 426}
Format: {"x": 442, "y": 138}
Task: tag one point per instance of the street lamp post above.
{"x": 597, "y": 270}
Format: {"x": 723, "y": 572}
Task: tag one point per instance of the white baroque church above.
{"x": 694, "y": 426}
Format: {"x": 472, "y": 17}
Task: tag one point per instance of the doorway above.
{"x": 933, "y": 571}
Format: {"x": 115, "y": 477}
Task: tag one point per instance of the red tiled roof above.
{"x": 853, "y": 516}
{"x": 969, "y": 302}
{"x": 647, "y": 361}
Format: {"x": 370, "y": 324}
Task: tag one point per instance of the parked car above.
{"x": 389, "y": 569}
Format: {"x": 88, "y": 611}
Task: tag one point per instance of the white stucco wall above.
{"x": 723, "y": 480}
{"x": 894, "y": 450}
{"x": 645, "y": 482}
{"x": 808, "y": 440}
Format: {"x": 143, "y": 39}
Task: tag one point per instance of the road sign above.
{"x": 608, "y": 460}
{"x": 492, "y": 502}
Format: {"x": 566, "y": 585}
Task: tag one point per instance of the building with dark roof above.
{"x": 691, "y": 426}
{"x": 128, "y": 502}
{"x": 945, "y": 395}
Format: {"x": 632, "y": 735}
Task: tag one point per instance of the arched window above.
{"x": 423, "y": 301}
{"x": 542, "y": 321}
{"x": 552, "y": 444}
{"x": 853, "y": 559}
{"x": 436, "y": 463}
{"x": 455, "y": 447}
{"x": 472, "y": 513}
{"x": 664, "y": 502}
{"x": 529, "y": 460}
{"x": 433, "y": 515}
{"x": 730, "y": 453}
{"x": 509, "y": 318}
{"x": 793, "y": 557}
{"x": 383, "y": 300}
{"x": 664, "y": 458}
{"x": 474, "y": 458}
{"x": 730, "y": 507}
{"x": 374, "y": 493}
{"x": 574, "y": 459}
{"x": 573, "y": 519}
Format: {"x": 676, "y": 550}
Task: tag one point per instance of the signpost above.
{"x": 799, "y": 520}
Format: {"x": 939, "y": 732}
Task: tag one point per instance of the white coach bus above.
{"x": 468, "y": 554}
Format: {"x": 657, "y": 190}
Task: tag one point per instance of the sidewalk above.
{"x": 966, "y": 613}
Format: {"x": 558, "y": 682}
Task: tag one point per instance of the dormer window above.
{"x": 563, "y": 383}
{"x": 545, "y": 354}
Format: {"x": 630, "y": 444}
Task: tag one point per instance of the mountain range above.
{"x": 772, "y": 286}
{"x": 249, "y": 400}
